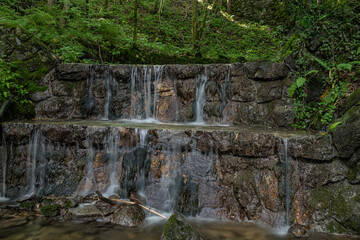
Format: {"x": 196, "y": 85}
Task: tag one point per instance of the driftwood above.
{"x": 107, "y": 200}
{"x": 112, "y": 202}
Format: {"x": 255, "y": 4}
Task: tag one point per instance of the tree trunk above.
{"x": 194, "y": 23}
{"x": 228, "y": 3}
{"x": 156, "y": 6}
{"x": 135, "y": 24}
{"x": 63, "y": 19}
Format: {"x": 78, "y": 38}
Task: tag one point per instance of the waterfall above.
{"x": 3, "y": 162}
{"x": 143, "y": 99}
{"x": 36, "y": 153}
{"x": 90, "y": 182}
{"x": 135, "y": 165}
{"x": 223, "y": 92}
{"x": 141, "y": 181}
{"x": 287, "y": 185}
{"x": 113, "y": 152}
{"x": 200, "y": 97}
{"x": 158, "y": 75}
{"x": 109, "y": 83}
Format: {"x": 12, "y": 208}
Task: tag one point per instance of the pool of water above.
{"x": 33, "y": 227}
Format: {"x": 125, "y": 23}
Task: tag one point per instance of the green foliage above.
{"x": 10, "y": 86}
{"x": 326, "y": 46}
{"x": 29, "y": 205}
{"x": 95, "y": 34}
{"x": 50, "y": 211}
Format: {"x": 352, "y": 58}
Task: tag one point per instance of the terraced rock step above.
{"x": 223, "y": 172}
{"x": 255, "y": 93}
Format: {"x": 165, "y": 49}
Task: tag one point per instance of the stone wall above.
{"x": 233, "y": 173}
{"x": 254, "y": 93}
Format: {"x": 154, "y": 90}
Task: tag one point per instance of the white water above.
{"x": 113, "y": 152}
{"x": 109, "y": 83}
{"x": 287, "y": 186}
{"x": 4, "y": 162}
{"x": 144, "y": 103}
{"x": 36, "y": 152}
{"x": 90, "y": 183}
{"x": 200, "y": 97}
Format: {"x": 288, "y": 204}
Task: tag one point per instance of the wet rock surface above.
{"x": 177, "y": 228}
{"x": 229, "y": 173}
{"x": 168, "y": 93}
{"x": 128, "y": 215}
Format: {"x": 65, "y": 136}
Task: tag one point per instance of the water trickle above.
{"x": 3, "y": 161}
{"x": 158, "y": 75}
{"x": 109, "y": 85}
{"x": 287, "y": 185}
{"x": 223, "y": 93}
{"x": 200, "y": 97}
{"x": 36, "y": 153}
{"x": 113, "y": 152}
{"x": 143, "y": 99}
{"x": 90, "y": 183}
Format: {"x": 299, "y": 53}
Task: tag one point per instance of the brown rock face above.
{"x": 233, "y": 173}
{"x": 249, "y": 94}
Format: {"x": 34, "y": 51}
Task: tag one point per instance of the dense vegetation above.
{"x": 322, "y": 36}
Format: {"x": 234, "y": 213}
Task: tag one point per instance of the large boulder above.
{"x": 177, "y": 228}
{"x": 346, "y": 135}
{"x": 128, "y": 215}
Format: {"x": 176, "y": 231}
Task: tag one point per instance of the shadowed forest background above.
{"x": 318, "y": 39}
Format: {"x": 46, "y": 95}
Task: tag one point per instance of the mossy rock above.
{"x": 177, "y": 228}
{"x": 50, "y": 211}
{"x": 29, "y": 205}
{"x": 338, "y": 203}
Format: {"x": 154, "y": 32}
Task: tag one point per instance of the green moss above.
{"x": 68, "y": 204}
{"x": 29, "y": 205}
{"x": 176, "y": 229}
{"x": 334, "y": 227}
{"x": 337, "y": 202}
{"x": 351, "y": 101}
{"x": 50, "y": 211}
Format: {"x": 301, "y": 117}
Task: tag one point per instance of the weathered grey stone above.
{"x": 129, "y": 215}
{"x": 268, "y": 91}
{"x": 315, "y": 147}
{"x": 346, "y": 136}
{"x": 84, "y": 212}
{"x": 266, "y": 71}
{"x": 72, "y": 72}
{"x": 55, "y": 107}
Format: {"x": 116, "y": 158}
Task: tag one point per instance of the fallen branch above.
{"x": 107, "y": 200}
{"x": 146, "y": 208}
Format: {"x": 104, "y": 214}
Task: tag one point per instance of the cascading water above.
{"x": 287, "y": 185}
{"x": 4, "y": 162}
{"x": 36, "y": 153}
{"x": 113, "y": 152}
{"x": 109, "y": 85}
{"x": 223, "y": 93}
{"x": 90, "y": 183}
{"x": 158, "y": 75}
{"x": 143, "y": 99}
{"x": 200, "y": 97}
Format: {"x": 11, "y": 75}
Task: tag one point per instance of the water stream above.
{"x": 110, "y": 82}
{"x": 4, "y": 163}
{"x": 287, "y": 185}
{"x": 35, "y": 157}
{"x": 144, "y": 92}
{"x": 200, "y": 97}
{"x": 113, "y": 153}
